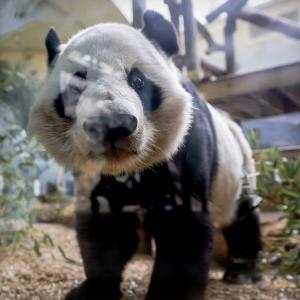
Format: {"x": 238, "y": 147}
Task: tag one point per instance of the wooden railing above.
{"x": 234, "y": 10}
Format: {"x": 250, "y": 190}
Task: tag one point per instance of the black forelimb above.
{"x": 107, "y": 242}
{"x": 183, "y": 247}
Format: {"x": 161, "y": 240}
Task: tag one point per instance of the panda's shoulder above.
{"x": 201, "y": 140}
{"x": 201, "y": 113}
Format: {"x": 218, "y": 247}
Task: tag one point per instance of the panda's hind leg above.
{"x": 107, "y": 241}
{"x": 243, "y": 238}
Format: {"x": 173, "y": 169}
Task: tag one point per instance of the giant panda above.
{"x": 136, "y": 132}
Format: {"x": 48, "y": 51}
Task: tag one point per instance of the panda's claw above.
{"x": 247, "y": 273}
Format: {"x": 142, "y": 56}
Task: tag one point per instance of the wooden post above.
{"x": 192, "y": 59}
{"x": 174, "y": 9}
{"x": 138, "y": 8}
{"x": 175, "y": 12}
{"x": 229, "y": 44}
{"x": 232, "y": 8}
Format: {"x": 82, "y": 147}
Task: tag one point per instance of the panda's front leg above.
{"x": 107, "y": 241}
{"x": 183, "y": 247}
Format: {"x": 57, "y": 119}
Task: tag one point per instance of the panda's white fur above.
{"x": 234, "y": 162}
{"x": 110, "y": 49}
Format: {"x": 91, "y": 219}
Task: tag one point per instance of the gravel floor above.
{"x": 25, "y": 276}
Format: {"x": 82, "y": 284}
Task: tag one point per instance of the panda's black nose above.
{"x": 110, "y": 129}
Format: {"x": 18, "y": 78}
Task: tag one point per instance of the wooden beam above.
{"x": 138, "y": 8}
{"x": 244, "y": 107}
{"x": 231, "y": 7}
{"x": 279, "y": 24}
{"x": 288, "y": 106}
{"x": 213, "y": 46}
{"x": 239, "y": 84}
{"x": 269, "y": 103}
{"x": 293, "y": 93}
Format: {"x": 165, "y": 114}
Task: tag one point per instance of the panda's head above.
{"x": 113, "y": 101}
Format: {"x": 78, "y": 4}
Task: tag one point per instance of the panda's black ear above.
{"x": 161, "y": 32}
{"x": 52, "y": 45}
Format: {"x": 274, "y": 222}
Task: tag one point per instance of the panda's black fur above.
{"x": 174, "y": 195}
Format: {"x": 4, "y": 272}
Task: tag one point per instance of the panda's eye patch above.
{"x": 147, "y": 90}
{"x": 136, "y": 79}
{"x": 78, "y": 82}
{"x": 80, "y": 74}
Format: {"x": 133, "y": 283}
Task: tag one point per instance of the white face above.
{"x": 112, "y": 103}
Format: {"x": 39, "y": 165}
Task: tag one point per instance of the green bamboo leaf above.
{"x": 36, "y": 248}
{"x": 69, "y": 260}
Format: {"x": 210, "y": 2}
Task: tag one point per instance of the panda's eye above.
{"x": 136, "y": 79}
{"x": 80, "y": 75}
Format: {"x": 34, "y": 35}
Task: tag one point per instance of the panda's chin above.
{"x": 116, "y": 166}
{"x": 113, "y": 162}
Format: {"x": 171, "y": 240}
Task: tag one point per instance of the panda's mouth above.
{"x": 119, "y": 154}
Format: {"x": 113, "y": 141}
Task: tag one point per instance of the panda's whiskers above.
{"x": 142, "y": 165}
{"x": 153, "y": 148}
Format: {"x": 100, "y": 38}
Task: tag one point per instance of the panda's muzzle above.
{"x": 108, "y": 130}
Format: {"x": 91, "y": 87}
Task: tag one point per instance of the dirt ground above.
{"x": 25, "y": 276}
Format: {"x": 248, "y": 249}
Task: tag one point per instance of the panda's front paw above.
{"x": 94, "y": 290}
{"x": 242, "y": 273}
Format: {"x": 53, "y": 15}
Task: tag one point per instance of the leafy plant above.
{"x": 17, "y": 160}
{"x": 279, "y": 185}
{"x": 18, "y": 154}
{"x": 18, "y": 88}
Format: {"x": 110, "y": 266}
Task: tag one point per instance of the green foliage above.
{"x": 18, "y": 154}
{"x": 253, "y": 138}
{"x": 18, "y": 88}
{"x": 279, "y": 185}
{"x": 279, "y": 180}
{"x": 17, "y": 160}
